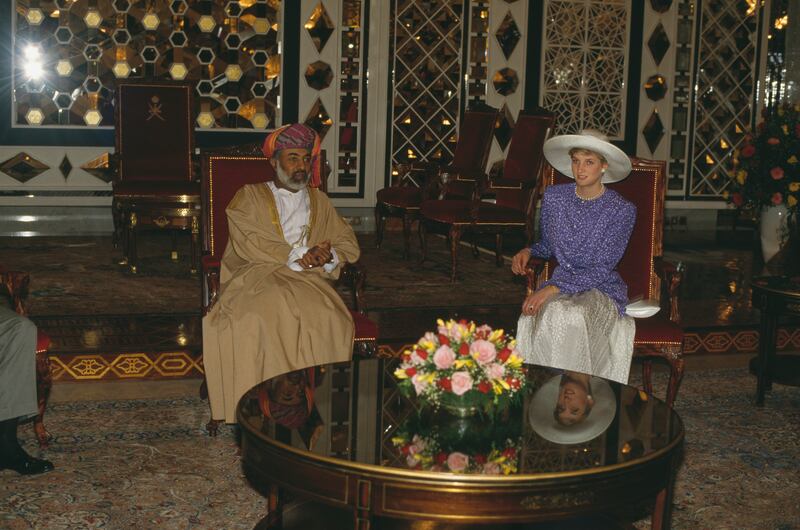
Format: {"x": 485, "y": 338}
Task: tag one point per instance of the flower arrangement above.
{"x": 463, "y": 366}
{"x": 766, "y": 168}
{"x": 428, "y": 453}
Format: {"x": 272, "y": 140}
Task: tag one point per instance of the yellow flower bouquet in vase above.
{"x": 463, "y": 368}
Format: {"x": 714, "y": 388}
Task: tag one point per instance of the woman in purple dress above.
{"x": 576, "y": 320}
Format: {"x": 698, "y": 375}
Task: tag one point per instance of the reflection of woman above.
{"x": 288, "y": 399}
{"x": 575, "y": 399}
{"x": 575, "y": 320}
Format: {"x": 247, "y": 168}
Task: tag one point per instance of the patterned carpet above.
{"x": 149, "y": 464}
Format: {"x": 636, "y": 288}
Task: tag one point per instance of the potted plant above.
{"x": 766, "y": 174}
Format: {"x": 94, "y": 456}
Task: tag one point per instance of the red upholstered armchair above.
{"x": 16, "y": 284}
{"x": 417, "y": 182}
{"x": 644, "y": 270}
{"x": 155, "y": 185}
{"x": 513, "y": 192}
{"x": 223, "y": 175}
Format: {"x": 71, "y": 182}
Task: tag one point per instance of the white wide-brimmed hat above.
{"x": 556, "y": 151}
{"x": 541, "y": 408}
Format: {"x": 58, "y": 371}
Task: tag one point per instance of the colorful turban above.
{"x": 297, "y": 136}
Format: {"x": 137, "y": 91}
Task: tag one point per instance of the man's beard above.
{"x": 289, "y": 182}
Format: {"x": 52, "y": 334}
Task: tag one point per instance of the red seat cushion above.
{"x": 210, "y": 261}
{"x": 42, "y": 341}
{"x": 494, "y": 214}
{"x": 366, "y": 329}
{"x": 401, "y": 196}
{"x": 451, "y": 211}
{"x": 138, "y": 188}
{"x": 658, "y": 329}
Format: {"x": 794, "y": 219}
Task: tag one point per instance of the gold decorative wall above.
{"x": 68, "y": 55}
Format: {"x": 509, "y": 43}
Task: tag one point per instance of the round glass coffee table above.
{"x": 344, "y": 435}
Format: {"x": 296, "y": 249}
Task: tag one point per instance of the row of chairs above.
{"x": 454, "y": 197}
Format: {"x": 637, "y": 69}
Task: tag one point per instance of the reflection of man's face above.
{"x": 293, "y": 168}
{"x": 574, "y": 400}
{"x": 288, "y": 389}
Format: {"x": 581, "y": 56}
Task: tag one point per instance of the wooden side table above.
{"x": 775, "y": 296}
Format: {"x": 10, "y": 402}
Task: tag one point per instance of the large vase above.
{"x": 458, "y": 406}
{"x": 774, "y": 230}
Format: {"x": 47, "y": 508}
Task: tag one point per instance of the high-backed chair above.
{"x": 513, "y": 193}
{"x": 155, "y": 184}
{"x": 417, "y": 182}
{"x": 223, "y": 175}
{"x": 644, "y": 270}
{"x": 16, "y": 284}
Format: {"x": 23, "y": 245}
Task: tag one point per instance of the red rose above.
{"x": 463, "y": 322}
{"x": 406, "y": 358}
{"x": 510, "y": 452}
{"x": 411, "y": 371}
{"x": 504, "y": 354}
{"x": 445, "y": 384}
{"x": 484, "y": 387}
{"x": 463, "y": 349}
{"x": 444, "y": 341}
{"x": 773, "y": 141}
{"x": 512, "y": 382}
{"x": 737, "y": 199}
{"x": 422, "y": 354}
{"x": 479, "y": 459}
{"x": 777, "y": 198}
{"x": 747, "y": 151}
{"x": 776, "y": 173}
{"x": 405, "y": 449}
{"x": 441, "y": 458}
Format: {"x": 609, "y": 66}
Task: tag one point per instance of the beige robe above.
{"x": 269, "y": 319}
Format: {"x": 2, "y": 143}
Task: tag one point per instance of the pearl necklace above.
{"x": 596, "y": 196}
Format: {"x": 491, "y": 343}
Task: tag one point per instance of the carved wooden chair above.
{"x": 16, "y": 284}
{"x": 223, "y": 174}
{"x": 416, "y": 183}
{"x": 644, "y": 270}
{"x": 513, "y": 192}
{"x": 155, "y": 184}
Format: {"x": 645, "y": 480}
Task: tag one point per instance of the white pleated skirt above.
{"x": 580, "y": 332}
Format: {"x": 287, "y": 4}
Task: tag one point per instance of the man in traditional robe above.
{"x": 17, "y": 390}
{"x": 277, "y": 310}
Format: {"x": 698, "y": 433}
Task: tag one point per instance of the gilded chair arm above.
{"x": 354, "y": 276}
{"x": 671, "y": 276}
{"x": 534, "y": 270}
{"x": 16, "y": 285}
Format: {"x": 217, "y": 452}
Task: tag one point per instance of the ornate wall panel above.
{"x": 69, "y": 54}
{"x": 725, "y": 84}
{"x": 508, "y": 23}
{"x": 584, "y": 64}
{"x": 332, "y": 53}
{"x": 426, "y": 44}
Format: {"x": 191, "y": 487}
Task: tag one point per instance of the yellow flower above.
{"x": 785, "y": 129}
{"x": 439, "y": 322}
{"x": 791, "y": 201}
{"x": 495, "y": 335}
{"x": 514, "y": 362}
{"x": 400, "y": 374}
{"x": 726, "y": 194}
{"x": 741, "y": 176}
{"x": 792, "y": 160}
{"x": 794, "y": 186}
{"x": 460, "y": 363}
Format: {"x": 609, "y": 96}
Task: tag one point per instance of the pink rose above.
{"x": 419, "y": 384}
{"x": 483, "y": 332}
{"x": 430, "y": 337}
{"x": 461, "y": 382}
{"x": 776, "y": 173}
{"x": 777, "y": 198}
{"x": 457, "y": 462}
{"x": 444, "y": 357}
{"x": 496, "y": 371}
{"x": 773, "y": 141}
{"x": 491, "y": 468}
{"x": 483, "y": 351}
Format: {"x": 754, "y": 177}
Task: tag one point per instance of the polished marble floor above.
{"x": 131, "y": 342}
